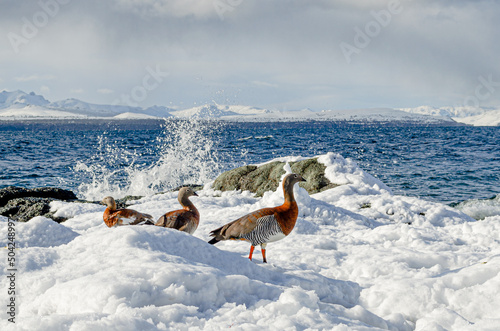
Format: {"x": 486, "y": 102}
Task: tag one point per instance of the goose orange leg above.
{"x": 251, "y": 252}
{"x": 263, "y": 250}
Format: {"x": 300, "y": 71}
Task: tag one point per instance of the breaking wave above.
{"x": 183, "y": 152}
{"x": 479, "y": 209}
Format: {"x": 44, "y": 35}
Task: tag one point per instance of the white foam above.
{"x": 186, "y": 155}
{"x": 480, "y": 209}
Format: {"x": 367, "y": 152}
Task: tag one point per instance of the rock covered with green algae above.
{"x": 259, "y": 179}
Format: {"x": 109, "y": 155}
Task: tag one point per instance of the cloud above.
{"x": 34, "y": 77}
{"x": 105, "y": 91}
{"x": 261, "y": 53}
{"x": 44, "y": 90}
{"x": 171, "y": 8}
{"x": 265, "y": 84}
{"x": 77, "y": 91}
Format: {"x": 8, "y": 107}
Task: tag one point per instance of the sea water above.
{"x": 94, "y": 158}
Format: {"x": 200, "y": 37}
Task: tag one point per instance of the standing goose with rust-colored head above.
{"x": 264, "y": 225}
{"x": 114, "y": 217}
{"x": 185, "y": 219}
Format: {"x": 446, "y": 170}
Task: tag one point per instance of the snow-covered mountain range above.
{"x": 21, "y": 105}
{"x": 464, "y": 114}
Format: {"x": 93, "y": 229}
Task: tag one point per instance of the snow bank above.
{"x": 41, "y": 232}
{"x": 359, "y": 258}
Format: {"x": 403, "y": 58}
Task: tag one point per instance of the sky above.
{"x": 285, "y": 55}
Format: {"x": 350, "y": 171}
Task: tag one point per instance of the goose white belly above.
{"x": 127, "y": 221}
{"x": 275, "y": 237}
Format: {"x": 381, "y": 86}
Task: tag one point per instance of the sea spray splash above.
{"x": 182, "y": 152}
{"x": 479, "y": 209}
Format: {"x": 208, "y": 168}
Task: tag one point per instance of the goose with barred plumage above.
{"x": 264, "y": 225}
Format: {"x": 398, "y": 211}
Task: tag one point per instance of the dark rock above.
{"x": 24, "y": 209}
{"x": 194, "y": 187}
{"x": 314, "y": 173}
{"x": 13, "y": 192}
{"x": 267, "y": 177}
{"x": 232, "y": 180}
{"x": 122, "y": 203}
{"x": 23, "y": 204}
{"x": 264, "y": 178}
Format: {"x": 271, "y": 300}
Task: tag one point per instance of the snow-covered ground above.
{"x": 359, "y": 258}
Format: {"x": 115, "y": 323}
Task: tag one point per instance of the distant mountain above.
{"x": 21, "y": 104}
{"x": 84, "y": 108}
{"x": 97, "y": 110}
{"x": 158, "y": 111}
{"x": 18, "y": 104}
{"x": 476, "y": 116}
{"x": 218, "y": 111}
{"x": 21, "y": 99}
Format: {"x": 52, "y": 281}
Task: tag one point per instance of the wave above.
{"x": 479, "y": 209}
{"x": 183, "y": 153}
{"x": 256, "y": 138}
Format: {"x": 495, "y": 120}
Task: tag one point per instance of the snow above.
{"x": 241, "y": 113}
{"x": 480, "y": 209}
{"x": 379, "y": 114}
{"x": 205, "y": 111}
{"x": 359, "y": 258}
{"x": 18, "y": 112}
{"x": 129, "y": 115}
{"x": 475, "y": 116}
{"x": 19, "y": 105}
{"x": 488, "y": 118}
{"x": 17, "y": 98}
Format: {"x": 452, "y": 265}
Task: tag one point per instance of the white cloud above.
{"x": 44, "y": 90}
{"x": 105, "y": 91}
{"x": 172, "y": 8}
{"x": 430, "y": 53}
{"x": 34, "y": 77}
{"x": 266, "y": 84}
{"x": 77, "y": 90}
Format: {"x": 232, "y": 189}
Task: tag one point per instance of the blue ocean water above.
{"x": 446, "y": 164}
